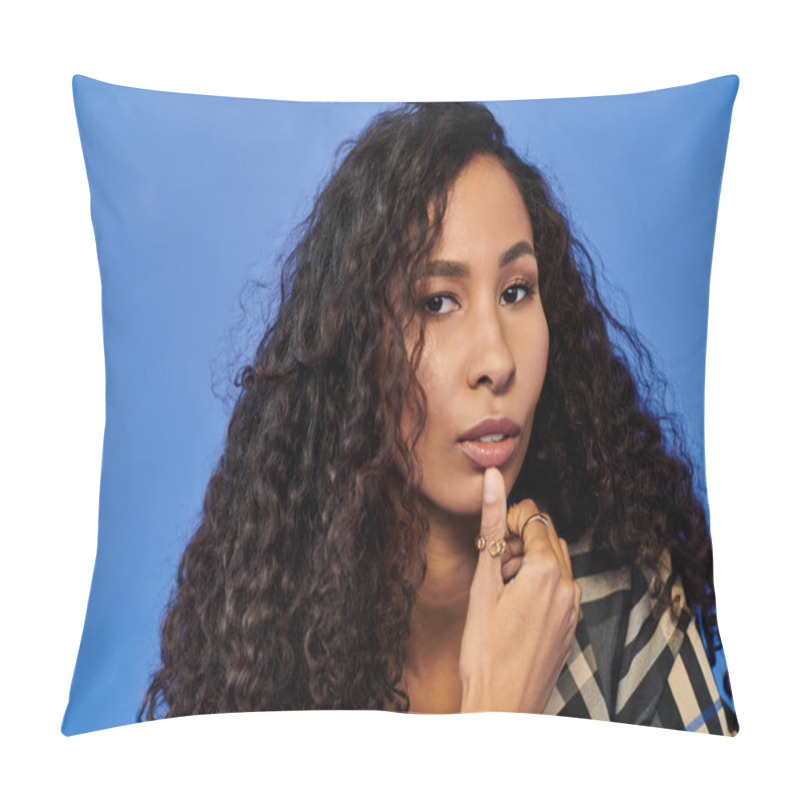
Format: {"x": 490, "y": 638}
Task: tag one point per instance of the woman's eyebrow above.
{"x": 446, "y": 269}
{"x": 457, "y": 269}
{"x": 521, "y": 248}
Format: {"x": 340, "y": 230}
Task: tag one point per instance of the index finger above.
{"x": 493, "y": 529}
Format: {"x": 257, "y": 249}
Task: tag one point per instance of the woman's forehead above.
{"x": 485, "y": 209}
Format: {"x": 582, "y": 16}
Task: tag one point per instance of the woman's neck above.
{"x": 439, "y": 613}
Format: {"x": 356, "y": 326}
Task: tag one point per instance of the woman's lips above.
{"x": 490, "y": 454}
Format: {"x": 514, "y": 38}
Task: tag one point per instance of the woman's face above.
{"x": 486, "y": 340}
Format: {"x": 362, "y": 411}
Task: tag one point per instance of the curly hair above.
{"x": 295, "y": 592}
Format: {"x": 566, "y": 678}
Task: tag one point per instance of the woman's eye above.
{"x": 439, "y": 304}
{"x": 513, "y": 294}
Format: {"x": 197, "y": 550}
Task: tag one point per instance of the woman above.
{"x": 442, "y": 344}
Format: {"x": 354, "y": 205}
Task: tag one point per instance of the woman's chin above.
{"x": 456, "y": 507}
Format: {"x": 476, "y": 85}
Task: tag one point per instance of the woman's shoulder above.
{"x": 612, "y": 588}
{"x": 638, "y": 658}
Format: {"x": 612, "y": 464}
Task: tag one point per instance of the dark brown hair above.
{"x": 295, "y": 592}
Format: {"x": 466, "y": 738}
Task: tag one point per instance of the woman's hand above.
{"x": 518, "y": 634}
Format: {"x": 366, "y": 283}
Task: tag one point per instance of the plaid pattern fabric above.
{"x": 633, "y": 662}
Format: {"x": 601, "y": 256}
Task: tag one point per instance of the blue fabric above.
{"x": 193, "y": 197}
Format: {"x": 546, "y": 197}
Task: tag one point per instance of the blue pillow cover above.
{"x": 193, "y": 198}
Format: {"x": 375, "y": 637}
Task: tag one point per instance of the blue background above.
{"x": 194, "y": 198}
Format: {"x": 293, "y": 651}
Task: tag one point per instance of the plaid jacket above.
{"x": 632, "y": 662}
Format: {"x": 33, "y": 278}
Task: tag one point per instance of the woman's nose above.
{"x": 491, "y": 361}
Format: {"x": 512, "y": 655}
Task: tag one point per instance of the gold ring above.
{"x": 496, "y": 547}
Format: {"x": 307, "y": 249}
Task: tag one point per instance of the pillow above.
{"x": 195, "y": 201}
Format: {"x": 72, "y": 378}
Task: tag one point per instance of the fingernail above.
{"x": 489, "y": 486}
